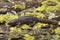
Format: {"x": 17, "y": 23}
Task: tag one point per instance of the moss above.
{"x": 47, "y": 8}
{"x": 7, "y": 17}
{"x": 42, "y": 8}
{"x": 19, "y": 6}
{"x": 14, "y": 32}
{"x": 25, "y": 27}
{"x": 57, "y": 31}
{"x": 28, "y": 37}
{"x": 35, "y": 14}
{"x": 58, "y": 22}
{"x": 39, "y": 25}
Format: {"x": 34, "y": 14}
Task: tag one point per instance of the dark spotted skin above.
{"x": 30, "y": 20}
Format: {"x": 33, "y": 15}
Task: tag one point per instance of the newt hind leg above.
{"x": 32, "y": 23}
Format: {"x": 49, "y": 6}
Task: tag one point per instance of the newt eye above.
{"x": 11, "y": 22}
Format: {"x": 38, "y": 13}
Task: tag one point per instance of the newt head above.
{"x": 13, "y": 23}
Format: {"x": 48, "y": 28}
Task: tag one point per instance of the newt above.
{"x": 30, "y": 20}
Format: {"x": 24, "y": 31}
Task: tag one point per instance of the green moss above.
{"x": 47, "y": 8}
{"x": 7, "y": 17}
{"x": 57, "y": 31}
{"x": 42, "y": 8}
{"x": 39, "y": 25}
{"x": 28, "y": 37}
{"x": 25, "y": 27}
{"x": 19, "y": 6}
{"x": 35, "y": 14}
{"x": 14, "y": 32}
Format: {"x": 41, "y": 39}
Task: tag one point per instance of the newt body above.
{"x": 30, "y": 20}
